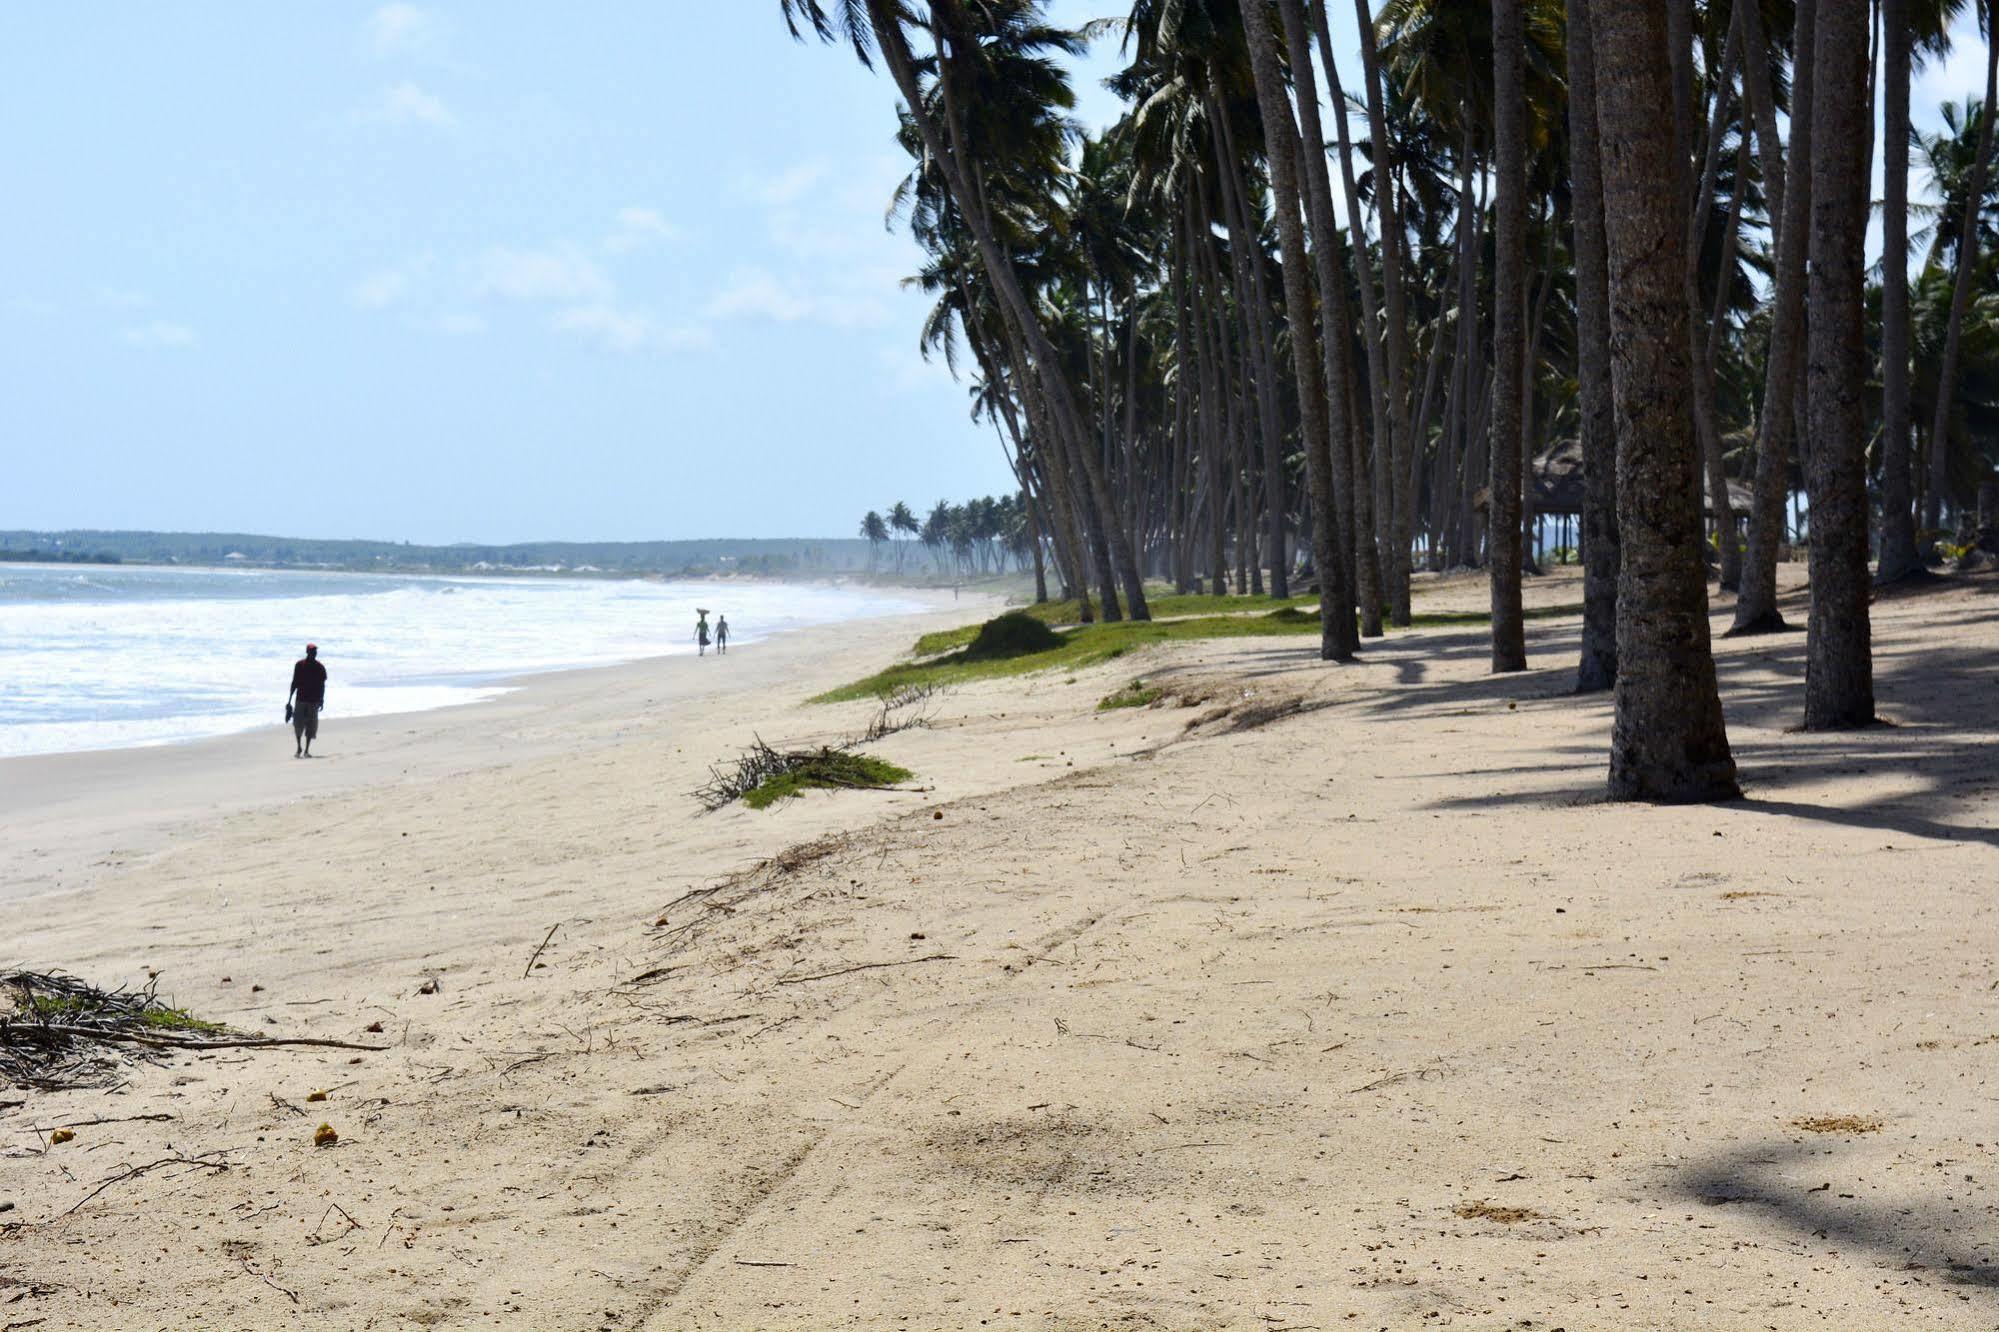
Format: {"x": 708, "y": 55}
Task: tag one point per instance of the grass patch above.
{"x": 1092, "y": 644}
{"x": 1164, "y": 605}
{"x": 1137, "y": 694}
{"x": 825, "y": 770}
{"x": 1089, "y": 645}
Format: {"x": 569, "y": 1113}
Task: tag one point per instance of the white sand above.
{"x": 1228, "y": 1028}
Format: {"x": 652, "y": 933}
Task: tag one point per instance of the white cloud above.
{"x": 782, "y": 188}
{"x": 559, "y": 275}
{"x": 635, "y": 227}
{"x": 848, "y": 301}
{"x": 1960, "y": 74}
{"x": 379, "y": 290}
{"x": 624, "y": 330}
{"x": 158, "y": 333}
{"x": 122, "y": 298}
{"x": 456, "y": 325}
{"x": 904, "y": 370}
{"x": 407, "y": 104}
{"x": 756, "y": 293}
{"x": 396, "y": 29}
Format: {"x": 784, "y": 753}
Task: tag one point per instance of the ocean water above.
{"x": 95, "y": 657}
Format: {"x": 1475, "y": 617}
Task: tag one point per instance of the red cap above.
{"x": 312, "y": 647}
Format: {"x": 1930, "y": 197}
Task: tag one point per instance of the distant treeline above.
{"x": 58, "y": 557}
{"x": 773, "y": 556}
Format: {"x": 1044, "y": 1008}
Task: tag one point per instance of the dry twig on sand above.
{"x": 133, "y": 1172}
{"x": 536, "y": 955}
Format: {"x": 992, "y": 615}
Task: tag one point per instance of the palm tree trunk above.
{"x": 1839, "y": 673}
{"x": 1669, "y": 742}
{"x": 1761, "y": 96}
{"x": 1706, "y": 418}
{"x": 1509, "y": 318}
{"x": 1337, "y": 638}
{"x": 1756, "y": 601}
{"x": 1386, "y": 413}
{"x": 1388, "y": 216}
{"x": 1246, "y": 260}
{"x": 1967, "y": 264}
{"x": 1335, "y": 346}
{"x": 1899, "y": 558}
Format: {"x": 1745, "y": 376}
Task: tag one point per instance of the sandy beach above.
{"x": 1309, "y": 997}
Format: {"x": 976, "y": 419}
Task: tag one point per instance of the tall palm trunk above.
{"x": 1384, "y": 410}
{"x": 1839, "y": 673}
{"x": 1336, "y": 347}
{"x": 1509, "y": 329}
{"x": 1967, "y": 264}
{"x": 1322, "y": 438}
{"x": 1756, "y": 601}
{"x": 1394, "y": 304}
{"x": 1706, "y": 417}
{"x": 1246, "y": 262}
{"x": 1669, "y": 742}
{"x": 1898, "y": 516}
{"x": 1597, "y": 668}
{"x": 885, "y": 21}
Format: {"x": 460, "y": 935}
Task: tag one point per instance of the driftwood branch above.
{"x": 865, "y": 966}
{"x": 165, "y": 1041}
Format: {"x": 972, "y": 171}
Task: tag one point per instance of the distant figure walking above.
{"x": 721, "y": 634}
{"x": 304, "y": 700}
{"x": 701, "y": 632}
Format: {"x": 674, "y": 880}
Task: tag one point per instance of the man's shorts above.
{"x": 305, "y": 721}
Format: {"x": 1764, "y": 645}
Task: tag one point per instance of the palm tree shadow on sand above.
{"x": 1787, "y": 1182}
{"x": 1940, "y": 705}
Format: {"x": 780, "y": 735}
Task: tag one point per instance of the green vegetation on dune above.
{"x": 1163, "y": 605}
{"x": 1137, "y": 694}
{"x": 1089, "y": 644}
{"x": 828, "y": 770}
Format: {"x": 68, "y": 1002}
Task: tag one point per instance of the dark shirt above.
{"x": 309, "y": 681}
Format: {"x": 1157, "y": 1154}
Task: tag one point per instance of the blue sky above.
{"x": 457, "y": 271}
{"x": 448, "y": 271}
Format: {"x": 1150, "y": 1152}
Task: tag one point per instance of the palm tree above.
{"x": 1509, "y": 344}
{"x": 936, "y": 530}
{"x": 1756, "y": 600}
{"x": 876, "y": 532}
{"x": 1324, "y": 438}
{"x": 1899, "y": 557}
{"x": 1669, "y": 742}
{"x": 1967, "y": 250}
{"x": 958, "y": 31}
{"x": 1597, "y": 425}
{"x": 902, "y": 523}
{"x": 1839, "y": 678}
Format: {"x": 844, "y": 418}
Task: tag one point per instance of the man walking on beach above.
{"x": 721, "y": 634}
{"x": 701, "y": 632}
{"x": 304, "y": 700}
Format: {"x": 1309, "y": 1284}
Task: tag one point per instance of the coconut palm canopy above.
{"x": 1269, "y": 325}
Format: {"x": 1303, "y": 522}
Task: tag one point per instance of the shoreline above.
{"x": 72, "y": 808}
